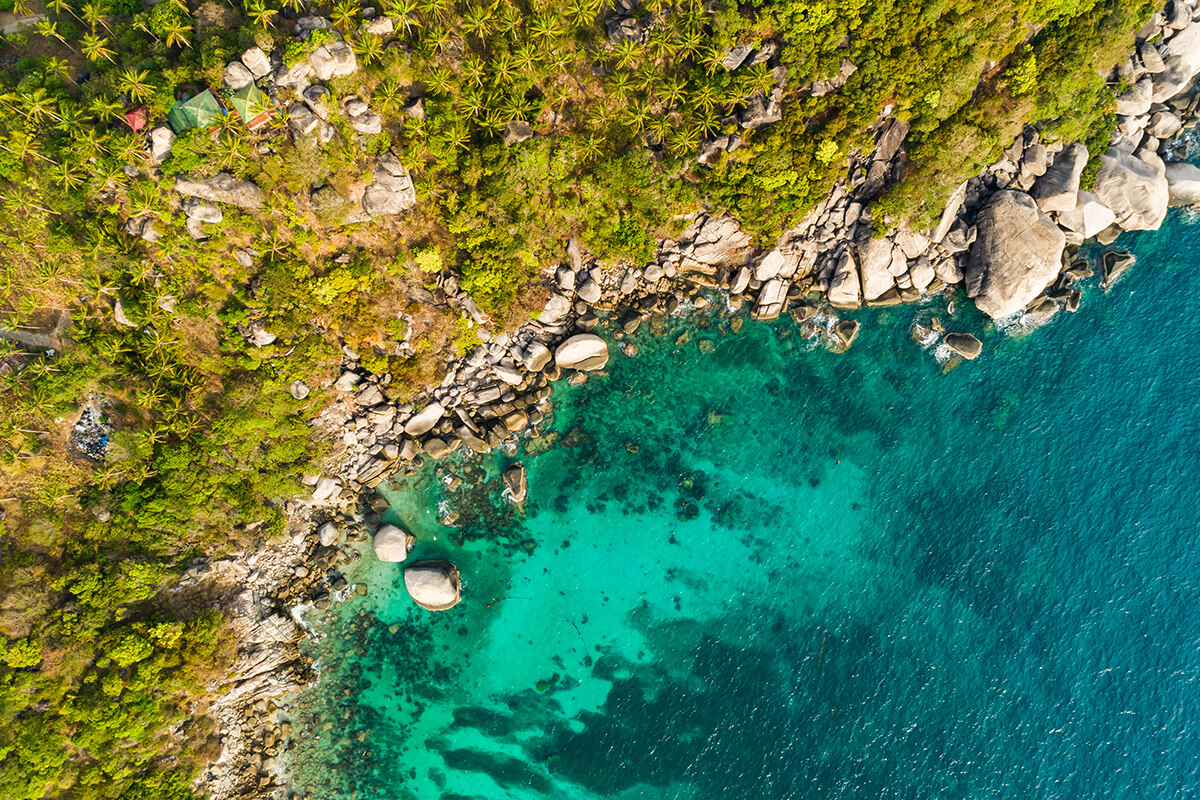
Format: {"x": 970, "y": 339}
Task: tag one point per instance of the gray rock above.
{"x": 368, "y": 124}
{"x": 845, "y": 288}
{"x": 333, "y": 60}
{"x": 516, "y": 482}
{"x": 1137, "y": 100}
{"x": 257, "y": 62}
{"x": 257, "y": 335}
{"x": 433, "y": 585}
{"x": 1058, "y": 188}
{"x": 355, "y": 107}
{"x": 326, "y": 488}
{"x": 202, "y": 211}
{"x": 298, "y": 389}
{"x": 845, "y": 332}
{"x": 583, "y": 351}
{"x": 1163, "y": 125}
{"x": 537, "y": 357}
{"x": 922, "y": 273}
{"x": 1172, "y": 81}
{"x": 735, "y": 56}
{"x": 761, "y": 110}
{"x": 1113, "y": 265}
{"x": 424, "y": 420}
{"x": 517, "y": 131}
{"x": 621, "y": 28}
{"x": 222, "y": 188}
{"x": 874, "y": 261}
{"x": 161, "y": 139}
{"x": 771, "y": 299}
{"x": 316, "y": 97}
{"x": 1016, "y": 255}
{"x": 294, "y": 77}
{"x": 1152, "y": 60}
{"x": 392, "y": 543}
{"x": 302, "y": 120}
{"x": 328, "y": 534}
{"x": 769, "y": 266}
{"x": 1135, "y": 188}
{"x": 392, "y": 192}
{"x": 380, "y": 26}
{"x": 589, "y": 292}
{"x": 236, "y": 76}
{"x": 1183, "y": 184}
{"x": 1088, "y": 217}
{"x": 964, "y": 344}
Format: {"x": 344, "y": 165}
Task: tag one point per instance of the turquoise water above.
{"x": 769, "y": 571}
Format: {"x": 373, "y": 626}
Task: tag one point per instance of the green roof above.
{"x": 202, "y": 111}
{"x": 249, "y": 102}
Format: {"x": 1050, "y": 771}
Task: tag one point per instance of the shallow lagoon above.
{"x": 771, "y": 571}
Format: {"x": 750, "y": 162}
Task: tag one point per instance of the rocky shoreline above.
{"x": 1010, "y": 236}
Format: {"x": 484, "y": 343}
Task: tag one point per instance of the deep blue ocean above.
{"x": 750, "y": 568}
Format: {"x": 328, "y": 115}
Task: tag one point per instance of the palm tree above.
{"x": 93, "y": 13}
{"x": 178, "y": 33}
{"x": 344, "y": 13}
{"x": 49, "y": 30}
{"x": 38, "y": 104}
{"x": 94, "y": 48}
{"x": 403, "y": 12}
{"x": 706, "y": 95}
{"x": 369, "y": 48}
{"x": 477, "y": 21}
{"x": 440, "y": 80}
{"x": 58, "y": 68}
{"x": 510, "y": 21}
{"x": 527, "y": 58}
{"x": 673, "y": 91}
{"x": 579, "y": 13}
{"x": 546, "y": 26}
{"x": 136, "y": 83}
{"x": 626, "y": 52}
{"x": 105, "y": 110}
{"x": 660, "y": 127}
{"x": 436, "y": 10}
{"x": 260, "y": 13}
{"x": 387, "y": 95}
{"x": 473, "y": 68}
{"x": 504, "y": 68}
{"x": 67, "y": 177}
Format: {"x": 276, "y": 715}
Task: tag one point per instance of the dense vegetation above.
{"x": 96, "y": 659}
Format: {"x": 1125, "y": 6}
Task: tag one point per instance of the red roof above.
{"x": 137, "y": 118}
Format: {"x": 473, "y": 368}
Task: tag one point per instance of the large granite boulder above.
{"x": 1183, "y": 184}
{"x": 584, "y": 351}
{"x": 424, "y": 420}
{"x": 333, "y": 60}
{"x": 222, "y": 188}
{"x": 1137, "y": 100}
{"x": 392, "y": 543}
{"x": 1135, "y": 188}
{"x": 236, "y": 76}
{"x": 258, "y": 62}
{"x": 161, "y": 139}
{"x": 1016, "y": 254}
{"x": 392, "y": 192}
{"x": 1058, "y": 188}
{"x": 433, "y": 585}
{"x": 845, "y": 288}
{"x": 875, "y": 264}
{"x": 1088, "y": 217}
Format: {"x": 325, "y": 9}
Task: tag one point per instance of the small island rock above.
{"x": 434, "y": 585}
{"x": 964, "y": 344}
{"x": 392, "y": 543}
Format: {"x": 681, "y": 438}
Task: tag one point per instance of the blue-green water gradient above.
{"x": 769, "y": 571}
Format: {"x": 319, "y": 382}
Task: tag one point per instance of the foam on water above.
{"x": 771, "y": 571}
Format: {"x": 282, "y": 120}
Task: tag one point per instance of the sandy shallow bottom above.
{"x": 767, "y": 571}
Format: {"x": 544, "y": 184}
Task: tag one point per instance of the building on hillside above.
{"x": 201, "y": 111}
{"x": 252, "y": 105}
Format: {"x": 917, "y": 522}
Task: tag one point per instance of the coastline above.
{"x": 499, "y": 390}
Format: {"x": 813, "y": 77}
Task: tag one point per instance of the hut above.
{"x": 252, "y": 105}
{"x": 201, "y": 111}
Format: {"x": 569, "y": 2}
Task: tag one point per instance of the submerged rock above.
{"x": 515, "y": 481}
{"x": 964, "y": 344}
{"x": 433, "y": 585}
{"x": 392, "y": 543}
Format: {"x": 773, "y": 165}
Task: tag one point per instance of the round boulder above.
{"x": 585, "y": 351}
{"x": 392, "y": 543}
{"x": 433, "y": 585}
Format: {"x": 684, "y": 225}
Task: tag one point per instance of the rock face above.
{"x": 392, "y": 192}
{"x": 1056, "y": 190}
{"x": 1135, "y": 188}
{"x": 1183, "y": 184}
{"x": 257, "y": 62}
{"x": 1016, "y": 255}
{"x": 327, "y": 534}
{"x": 222, "y": 188}
{"x": 236, "y": 76}
{"x": 844, "y": 287}
{"x": 584, "y": 351}
{"x": 433, "y": 585}
{"x": 392, "y": 544}
{"x": 1088, "y": 217}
